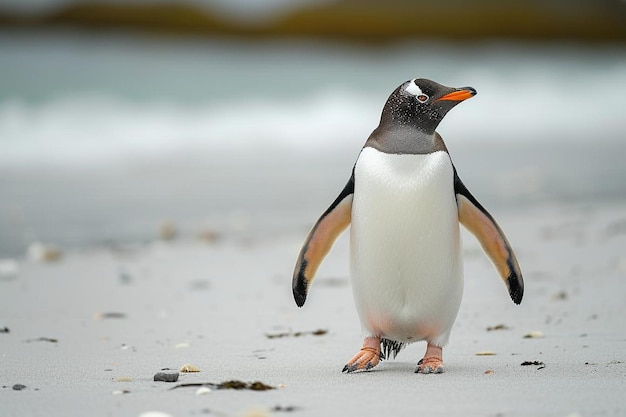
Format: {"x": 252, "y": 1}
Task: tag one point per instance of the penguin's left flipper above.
{"x": 319, "y": 241}
{"x": 477, "y": 220}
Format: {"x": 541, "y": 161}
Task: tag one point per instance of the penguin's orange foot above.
{"x": 430, "y": 365}
{"x": 367, "y": 358}
{"x": 432, "y": 362}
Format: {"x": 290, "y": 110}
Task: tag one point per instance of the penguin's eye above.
{"x": 422, "y": 98}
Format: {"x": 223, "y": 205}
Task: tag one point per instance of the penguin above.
{"x": 404, "y": 202}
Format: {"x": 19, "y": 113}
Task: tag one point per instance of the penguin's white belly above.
{"x": 406, "y": 265}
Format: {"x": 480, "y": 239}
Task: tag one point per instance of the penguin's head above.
{"x": 422, "y": 104}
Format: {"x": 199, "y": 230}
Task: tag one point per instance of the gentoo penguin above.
{"x": 404, "y": 201}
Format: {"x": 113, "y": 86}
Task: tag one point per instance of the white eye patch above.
{"x": 414, "y": 89}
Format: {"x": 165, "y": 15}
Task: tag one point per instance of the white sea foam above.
{"x": 91, "y": 128}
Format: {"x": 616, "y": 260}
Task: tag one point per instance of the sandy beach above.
{"x": 85, "y": 334}
{"x": 173, "y": 180}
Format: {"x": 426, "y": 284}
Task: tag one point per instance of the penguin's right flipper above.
{"x": 319, "y": 241}
{"x": 492, "y": 239}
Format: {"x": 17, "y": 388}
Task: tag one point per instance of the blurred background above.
{"x": 122, "y": 121}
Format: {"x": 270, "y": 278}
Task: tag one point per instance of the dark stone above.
{"x": 18, "y": 387}
{"x": 166, "y": 376}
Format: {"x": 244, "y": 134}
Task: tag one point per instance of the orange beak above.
{"x": 459, "y": 95}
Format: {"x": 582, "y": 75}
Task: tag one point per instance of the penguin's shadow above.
{"x": 405, "y": 367}
{"x": 395, "y": 367}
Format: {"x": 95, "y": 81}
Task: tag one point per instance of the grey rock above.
{"x": 166, "y": 376}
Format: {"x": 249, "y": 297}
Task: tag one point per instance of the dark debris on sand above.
{"x": 497, "y": 327}
{"x": 284, "y": 409}
{"x": 233, "y": 384}
{"x": 43, "y": 339}
{"x": 528, "y": 363}
{"x": 540, "y": 364}
{"x": 318, "y": 332}
{"x": 109, "y": 315}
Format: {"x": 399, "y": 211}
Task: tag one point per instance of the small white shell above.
{"x": 188, "y": 367}
{"x": 203, "y": 391}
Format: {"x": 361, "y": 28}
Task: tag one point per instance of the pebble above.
{"x": 166, "y": 376}
{"x": 124, "y": 277}
{"x": 18, "y": 387}
{"x": 167, "y": 230}
{"x": 188, "y": 367}
{"x": 109, "y": 315}
{"x": 40, "y": 252}
{"x": 286, "y": 408}
{"x": 533, "y": 335}
{"x": 120, "y": 392}
{"x": 208, "y": 236}
{"x": 203, "y": 391}
{"x": 485, "y": 353}
{"x": 123, "y": 379}
{"x": 154, "y": 414}
{"x": 182, "y": 345}
{"x": 9, "y": 268}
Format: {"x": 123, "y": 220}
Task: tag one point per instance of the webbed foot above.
{"x": 367, "y": 358}
{"x": 432, "y": 362}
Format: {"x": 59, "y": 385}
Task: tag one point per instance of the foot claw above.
{"x": 350, "y": 368}
{"x": 430, "y": 365}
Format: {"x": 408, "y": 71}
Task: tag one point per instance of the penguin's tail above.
{"x": 389, "y": 349}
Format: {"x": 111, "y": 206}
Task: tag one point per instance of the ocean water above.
{"x": 105, "y": 135}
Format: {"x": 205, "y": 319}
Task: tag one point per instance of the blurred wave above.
{"x": 69, "y": 99}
